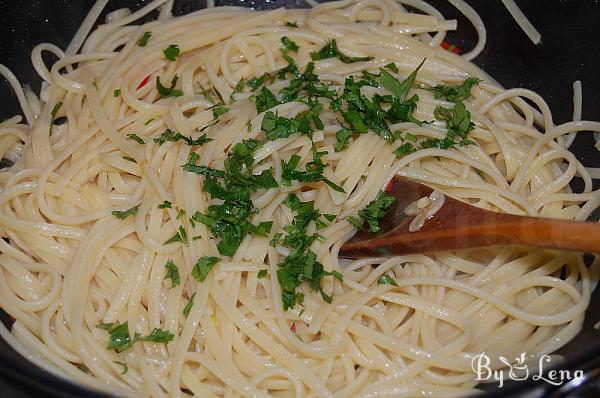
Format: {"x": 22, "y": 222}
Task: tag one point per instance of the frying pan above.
{"x": 569, "y": 51}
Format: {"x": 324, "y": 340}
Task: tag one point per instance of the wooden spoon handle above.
{"x": 458, "y": 225}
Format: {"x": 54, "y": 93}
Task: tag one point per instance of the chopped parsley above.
{"x": 301, "y": 264}
{"x": 373, "y": 212}
{"x": 168, "y": 91}
{"x": 239, "y": 87}
{"x": 264, "y": 100}
{"x": 313, "y": 170}
{"x": 172, "y": 52}
{"x": 144, "y": 39}
{"x": 404, "y": 149}
{"x": 219, "y": 110}
{"x": 130, "y": 159}
{"x": 136, "y": 138}
{"x": 458, "y": 123}
{"x": 288, "y": 45}
{"x": 343, "y": 139}
{"x": 121, "y": 215}
{"x": 170, "y": 135}
{"x": 392, "y": 66}
{"x": 117, "y": 93}
{"x": 330, "y": 50}
{"x": 119, "y": 339}
{"x": 55, "y": 110}
{"x": 234, "y": 186}
{"x": 188, "y": 306}
{"x": 387, "y": 280}
{"x": 290, "y": 24}
{"x": 256, "y": 82}
{"x": 179, "y": 236}
{"x": 165, "y": 205}
{"x": 261, "y": 274}
{"x": 203, "y": 267}
{"x": 456, "y": 93}
{"x": 172, "y": 273}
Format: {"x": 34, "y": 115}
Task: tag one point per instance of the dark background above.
{"x": 568, "y": 52}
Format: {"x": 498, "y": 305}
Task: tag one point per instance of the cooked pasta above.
{"x": 181, "y": 189}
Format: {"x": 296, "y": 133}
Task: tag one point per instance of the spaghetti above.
{"x": 165, "y": 187}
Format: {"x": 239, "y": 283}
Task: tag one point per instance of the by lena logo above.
{"x": 518, "y": 369}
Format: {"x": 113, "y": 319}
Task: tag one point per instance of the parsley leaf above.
{"x": 165, "y": 205}
{"x": 203, "y": 267}
{"x": 136, "y": 138}
{"x": 288, "y": 45}
{"x": 228, "y": 220}
{"x": 117, "y": 93}
{"x": 130, "y": 159}
{"x": 119, "y": 339}
{"x": 404, "y": 149}
{"x": 278, "y": 126}
{"x": 55, "y": 110}
{"x": 156, "y": 336}
{"x": 291, "y": 24}
{"x": 144, "y": 39}
{"x": 188, "y": 306}
{"x": 121, "y": 215}
{"x": 219, "y": 110}
{"x": 170, "y": 135}
{"x": 330, "y": 50}
{"x": 313, "y": 170}
{"x": 168, "y": 91}
{"x": 179, "y": 236}
{"x": 458, "y": 123}
{"x": 264, "y": 100}
{"x": 392, "y": 66}
{"x": 456, "y": 93}
{"x": 373, "y": 212}
{"x": 172, "y": 52}
{"x": 238, "y": 88}
{"x": 256, "y": 82}
{"x": 386, "y": 280}
{"x": 172, "y": 273}
{"x": 343, "y": 138}
{"x": 399, "y": 89}
{"x": 261, "y": 274}
{"x": 301, "y": 264}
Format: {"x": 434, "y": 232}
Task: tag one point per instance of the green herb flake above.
{"x": 261, "y": 274}
{"x": 156, "y": 336}
{"x": 290, "y": 24}
{"x": 170, "y": 135}
{"x": 456, "y": 93}
{"x": 130, "y": 159}
{"x": 288, "y": 45}
{"x": 219, "y": 110}
{"x": 392, "y": 66}
{"x": 55, "y": 110}
{"x": 172, "y": 273}
{"x": 144, "y": 39}
{"x": 343, "y": 139}
{"x": 239, "y": 87}
{"x": 386, "y": 280}
{"x": 136, "y": 138}
{"x": 373, "y": 212}
{"x": 116, "y": 93}
{"x": 165, "y": 205}
{"x": 459, "y": 125}
{"x": 119, "y": 339}
{"x": 172, "y": 52}
{"x": 188, "y": 306}
{"x": 148, "y": 121}
{"x": 330, "y": 50}
{"x": 121, "y": 215}
{"x": 404, "y": 149}
{"x": 168, "y": 91}
{"x": 203, "y": 267}
{"x": 179, "y": 236}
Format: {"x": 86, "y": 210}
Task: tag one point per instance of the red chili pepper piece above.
{"x": 389, "y": 186}
{"x": 144, "y": 82}
{"x": 293, "y": 328}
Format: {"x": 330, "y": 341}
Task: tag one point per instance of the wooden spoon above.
{"x": 458, "y": 225}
